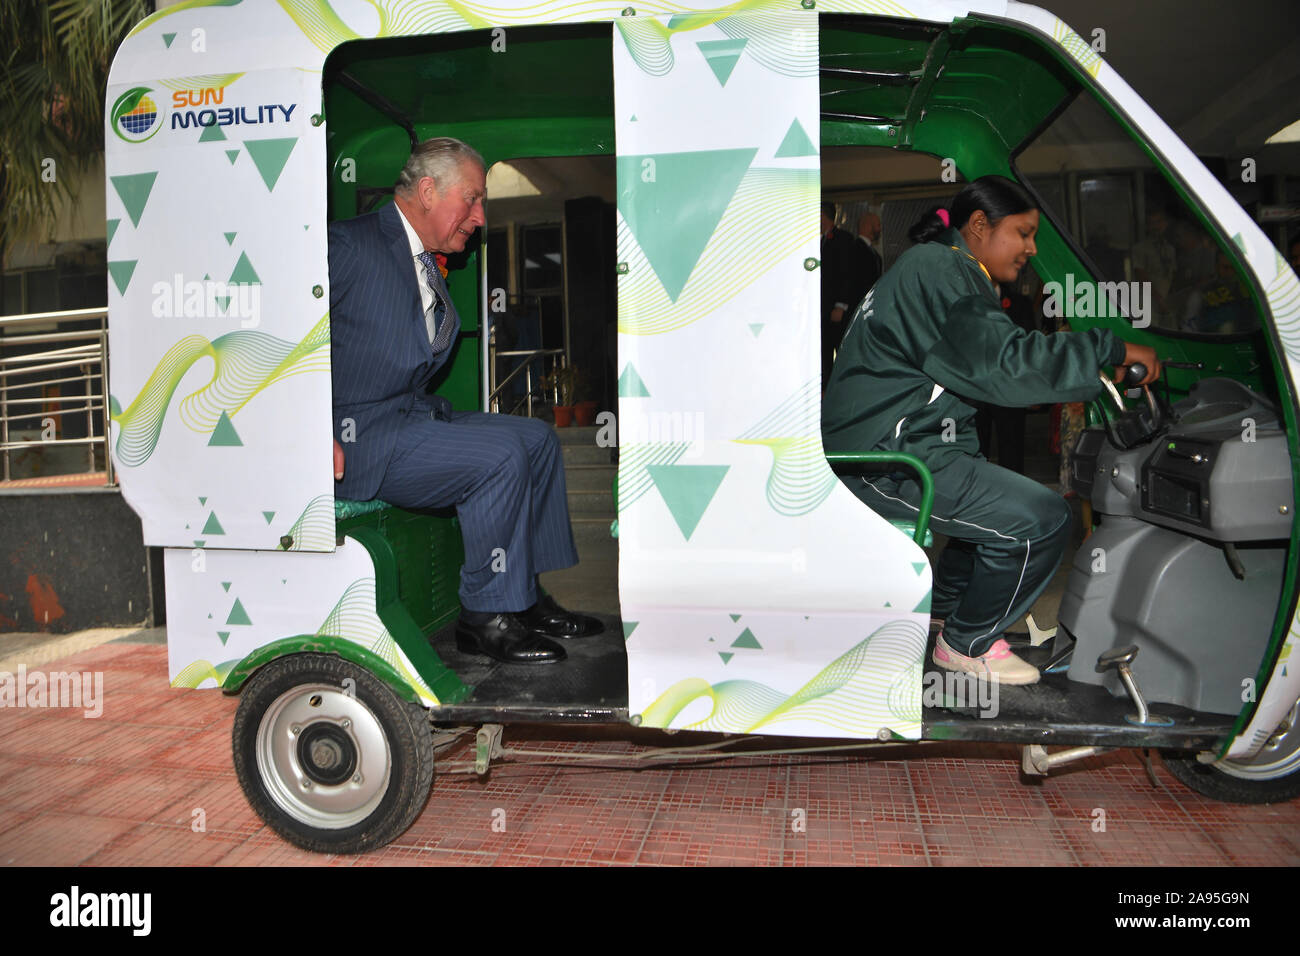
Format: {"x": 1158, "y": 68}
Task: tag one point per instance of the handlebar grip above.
{"x": 1134, "y": 375}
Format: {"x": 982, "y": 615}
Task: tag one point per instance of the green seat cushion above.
{"x": 344, "y": 508}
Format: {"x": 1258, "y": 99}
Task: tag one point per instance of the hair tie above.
{"x": 943, "y": 216}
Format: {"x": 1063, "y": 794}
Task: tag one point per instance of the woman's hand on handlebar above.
{"x": 1144, "y": 354}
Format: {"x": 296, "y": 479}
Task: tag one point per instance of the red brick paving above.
{"x": 151, "y": 783}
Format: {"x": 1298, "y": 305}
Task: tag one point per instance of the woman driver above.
{"x": 931, "y": 335}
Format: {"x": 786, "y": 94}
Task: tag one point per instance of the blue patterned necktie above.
{"x": 441, "y": 327}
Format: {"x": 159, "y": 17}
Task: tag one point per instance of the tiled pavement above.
{"x": 150, "y": 782}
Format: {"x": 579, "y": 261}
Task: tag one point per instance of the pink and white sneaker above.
{"x": 997, "y": 663}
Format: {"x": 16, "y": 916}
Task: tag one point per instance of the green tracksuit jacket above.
{"x": 932, "y": 333}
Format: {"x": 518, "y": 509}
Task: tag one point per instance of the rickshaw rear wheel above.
{"x": 329, "y": 756}
{"x": 1271, "y": 776}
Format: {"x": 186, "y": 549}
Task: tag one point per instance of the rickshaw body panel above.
{"x": 754, "y": 586}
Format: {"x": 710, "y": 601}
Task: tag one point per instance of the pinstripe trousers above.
{"x": 505, "y": 477}
{"x": 1007, "y": 536}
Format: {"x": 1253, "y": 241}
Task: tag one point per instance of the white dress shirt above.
{"x": 427, "y": 298}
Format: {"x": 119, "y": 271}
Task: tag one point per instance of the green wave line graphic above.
{"x": 177, "y": 8}
{"x": 319, "y": 23}
{"x": 196, "y": 672}
{"x": 314, "y": 528}
{"x": 800, "y": 479}
{"x": 1077, "y": 47}
{"x": 207, "y": 80}
{"x": 354, "y": 618}
{"x": 875, "y": 683}
{"x": 245, "y": 363}
{"x": 769, "y": 43}
{"x": 765, "y": 201}
{"x": 633, "y": 478}
{"x": 1283, "y": 295}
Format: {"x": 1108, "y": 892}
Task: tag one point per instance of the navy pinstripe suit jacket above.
{"x": 379, "y": 343}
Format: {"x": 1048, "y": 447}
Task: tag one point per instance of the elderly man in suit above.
{"x": 393, "y": 326}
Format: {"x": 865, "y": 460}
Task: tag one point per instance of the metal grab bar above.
{"x": 903, "y": 458}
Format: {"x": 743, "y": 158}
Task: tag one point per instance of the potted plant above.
{"x": 563, "y": 381}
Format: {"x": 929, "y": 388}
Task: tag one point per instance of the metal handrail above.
{"x": 526, "y": 367}
{"x": 84, "y": 349}
{"x": 898, "y": 457}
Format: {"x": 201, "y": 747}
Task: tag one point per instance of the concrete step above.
{"x": 589, "y": 477}
{"x": 592, "y": 533}
{"x": 592, "y": 504}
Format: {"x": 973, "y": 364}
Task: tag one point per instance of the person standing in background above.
{"x": 837, "y": 286}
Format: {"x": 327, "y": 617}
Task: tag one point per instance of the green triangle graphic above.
{"x": 722, "y": 56}
{"x": 633, "y": 119}
{"x": 726, "y": 655}
{"x": 213, "y": 526}
{"x": 225, "y": 585}
{"x": 112, "y": 228}
{"x": 630, "y": 384}
{"x": 212, "y": 134}
{"x": 924, "y": 606}
{"x": 268, "y": 515}
{"x": 230, "y": 237}
{"x": 687, "y": 491}
{"x": 674, "y": 216}
{"x": 134, "y": 192}
{"x": 887, "y": 604}
{"x": 224, "y": 434}
{"x": 920, "y": 566}
{"x": 225, "y": 636}
{"x": 756, "y": 327}
{"x": 628, "y": 628}
{"x": 244, "y": 271}
{"x": 796, "y": 142}
{"x": 209, "y": 617}
{"x": 121, "y": 273}
{"x": 711, "y": 640}
{"x": 222, "y": 301}
{"x": 232, "y": 155}
{"x": 198, "y": 543}
{"x": 203, "y": 500}
{"x": 734, "y": 617}
{"x": 306, "y": 227}
{"x": 269, "y": 156}
{"x": 238, "y": 615}
{"x": 167, "y": 39}
{"x": 747, "y": 639}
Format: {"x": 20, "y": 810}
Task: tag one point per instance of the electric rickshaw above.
{"x": 758, "y": 596}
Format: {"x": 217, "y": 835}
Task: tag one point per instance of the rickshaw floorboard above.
{"x": 590, "y": 684}
{"x": 1057, "y": 710}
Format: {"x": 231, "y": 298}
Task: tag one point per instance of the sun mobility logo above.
{"x": 135, "y": 115}
{"x": 206, "y": 107}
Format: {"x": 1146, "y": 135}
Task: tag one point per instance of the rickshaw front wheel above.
{"x": 329, "y": 756}
{"x": 1271, "y": 776}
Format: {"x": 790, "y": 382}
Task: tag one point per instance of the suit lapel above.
{"x": 400, "y": 246}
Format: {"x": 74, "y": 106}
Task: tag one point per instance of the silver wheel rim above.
{"x": 337, "y": 732}
{"x": 1279, "y": 756}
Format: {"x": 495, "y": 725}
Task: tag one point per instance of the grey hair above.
{"x": 439, "y": 158}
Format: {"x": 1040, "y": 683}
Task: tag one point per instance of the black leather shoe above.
{"x": 506, "y": 639}
{"x": 549, "y": 619}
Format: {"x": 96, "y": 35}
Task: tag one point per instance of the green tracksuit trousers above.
{"x": 1007, "y": 536}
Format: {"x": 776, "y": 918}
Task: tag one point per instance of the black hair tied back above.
{"x": 998, "y": 196}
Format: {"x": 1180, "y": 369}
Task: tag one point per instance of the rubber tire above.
{"x": 405, "y": 726}
{"x": 1209, "y": 780}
